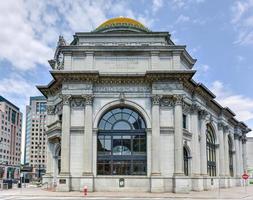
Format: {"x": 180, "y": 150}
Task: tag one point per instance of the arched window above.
{"x": 230, "y": 153}
{"x": 121, "y": 143}
{"x": 186, "y": 162}
{"x": 210, "y": 150}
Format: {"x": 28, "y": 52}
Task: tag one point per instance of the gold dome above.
{"x": 121, "y": 23}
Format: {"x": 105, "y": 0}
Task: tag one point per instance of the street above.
{"x": 41, "y": 194}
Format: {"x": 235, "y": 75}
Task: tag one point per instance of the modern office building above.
{"x": 10, "y": 139}
{"x": 35, "y": 138}
{"x": 124, "y": 114}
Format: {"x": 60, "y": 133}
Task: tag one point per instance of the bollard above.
{"x": 85, "y": 190}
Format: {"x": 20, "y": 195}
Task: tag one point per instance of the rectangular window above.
{"x": 184, "y": 121}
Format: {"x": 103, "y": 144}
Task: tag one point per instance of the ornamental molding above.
{"x": 77, "y": 103}
{"x": 156, "y": 99}
{"x": 88, "y": 99}
{"x": 186, "y": 108}
{"x": 65, "y": 98}
{"x": 194, "y": 108}
{"x": 223, "y": 127}
{"x": 178, "y": 98}
{"x": 167, "y": 102}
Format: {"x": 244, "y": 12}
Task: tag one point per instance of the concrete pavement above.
{"x": 38, "y": 193}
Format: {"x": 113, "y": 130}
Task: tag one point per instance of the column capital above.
{"x": 156, "y": 99}
{"x": 194, "y": 109}
{"x": 203, "y": 114}
{"x": 178, "y": 98}
{"x": 88, "y": 99}
{"x": 65, "y": 98}
{"x": 50, "y": 109}
{"x": 244, "y": 139}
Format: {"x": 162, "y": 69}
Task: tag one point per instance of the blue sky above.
{"x": 217, "y": 33}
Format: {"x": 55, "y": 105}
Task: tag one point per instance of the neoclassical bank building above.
{"x": 125, "y": 114}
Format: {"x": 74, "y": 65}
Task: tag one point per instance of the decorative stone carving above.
{"x": 77, "y": 103}
{"x": 156, "y": 99}
{"x": 50, "y": 109}
{"x": 61, "y": 41}
{"x": 186, "y": 107}
{"x": 222, "y": 126}
{"x": 203, "y": 114}
{"x": 244, "y": 139}
{"x": 194, "y": 108}
{"x": 52, "y": 63}
{"x": 178, "y": 98}
{"x": 60, "y": 61}
{"x": 167, "y": 102}
{"x": 65, "y": 98}
{"x": 122, "y": 97}
{"x": 58, "y": 108}
{"x": 88, "y": 99}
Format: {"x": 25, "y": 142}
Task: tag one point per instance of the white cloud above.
{"x": 30, "y": 28}
{"x": 182, "y": 18}
{"x": 242, "y": 19}
{"x": 156, "y": 5}
{"x": 240, "y": 104}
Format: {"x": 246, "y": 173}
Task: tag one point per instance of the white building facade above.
{"x": 124, "y": 114}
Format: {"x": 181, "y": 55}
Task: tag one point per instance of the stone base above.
{"x": 47, "y": 181}
{"x": 222, "y": 182}
{"x": 63, "y": 183}
{"x": 206, "y": 182}
{"x": 181, "y": 184}
{"x": 156, "y": 184}
{"x": 197, "y": 183}
{"x": 87, "y": 181}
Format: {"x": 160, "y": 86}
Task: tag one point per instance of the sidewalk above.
{"x": 230, "y": 193}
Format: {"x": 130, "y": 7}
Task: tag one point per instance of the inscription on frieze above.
{"x": 103, "y": 88}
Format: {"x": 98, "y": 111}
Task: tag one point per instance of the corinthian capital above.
{"x": 156, "y": 99}
{"x": 203, "y": 114}
{"x": 194, "y": 108}
{"x": 65, "y": 98}
{"x": 178, "y": 98}
{"x": 50, "y": 109}
{"x": 88, "y": 99}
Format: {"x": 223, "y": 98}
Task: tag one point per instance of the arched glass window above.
{"x": 186, "y": 162}
{"x": 121, "y": 143}
{"x": 230, "y": 153}
{"x": 211, "y": 152}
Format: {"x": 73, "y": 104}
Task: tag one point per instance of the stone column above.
{"x": 65, "y": 138}
{"x": 244, "y": 153}
{"x": 155, "y": 135}
{"x": 49, "y": 166}
{"x": 64, "y": 177}
{"x": 237, "y": 155}
{"x": 157, "y": 184}
{"x": 226, "y": 153}
{"x": 178, "y": 136}
{"x": 195, "y": 140}
{"x": 87, "y": 179}
{"x": 203, "y": 159}
{"x": 197, "y": 181}
{"x": 221, "y": 150}
{"x": 240, "y": 157}
{"x": 87, "y": 142}
{"x": 181, "y": 182}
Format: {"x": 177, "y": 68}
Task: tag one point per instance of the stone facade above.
{"x": 146, "y": 72}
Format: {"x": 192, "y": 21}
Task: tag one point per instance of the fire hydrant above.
{"x": 85, "y": 190}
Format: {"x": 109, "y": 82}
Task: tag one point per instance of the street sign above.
{"x": 245, "y": 176}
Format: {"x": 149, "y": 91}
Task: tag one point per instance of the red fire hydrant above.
{"x": 85, "y": 190}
